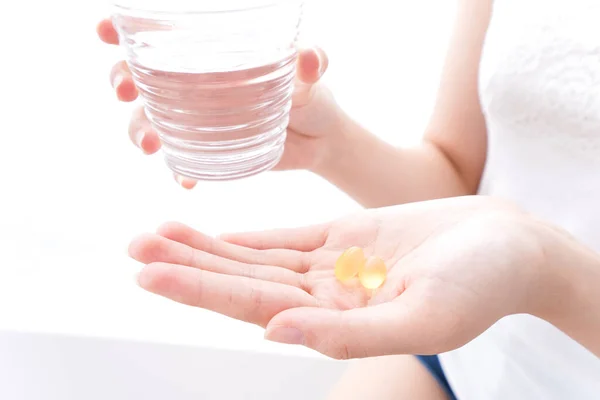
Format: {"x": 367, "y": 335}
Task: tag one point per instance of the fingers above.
{"x": 122, "y": 82}
{"x": 154, "y": 248}
{"x": 305, "y": 239}
{"x": 312, "y": 64}
{"x": 413, "y": 323}
{"x": 291, "y": 259}
{"x": 358, "y": 333}
{"x": 245, "y": 299}
{"x": 120, "y": 76}
{"x": 185, "y": 183}
{"x": 141, "y": 133}
{"x": 107, "y": 32}
{"x": 144, "y": 137}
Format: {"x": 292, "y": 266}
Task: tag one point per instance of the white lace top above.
{"x": 540, "y": 92}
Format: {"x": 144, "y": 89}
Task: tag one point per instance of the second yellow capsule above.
{"x": 373, "y": 273}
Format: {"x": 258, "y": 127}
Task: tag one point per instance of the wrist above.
{"x": 567, "y": 293}
{"x": 343, "y": 150}
{"x": 569, "y": 277}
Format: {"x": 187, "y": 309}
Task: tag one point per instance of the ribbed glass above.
{"x": 216, "y": 79}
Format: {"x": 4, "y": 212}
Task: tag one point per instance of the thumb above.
{"x": 413, "y": 323}
{"x": 379, "y": 330}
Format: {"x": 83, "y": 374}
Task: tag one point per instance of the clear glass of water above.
{"x": 216, "y": 79}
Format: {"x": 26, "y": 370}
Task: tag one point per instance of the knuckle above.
{"x": 305, "y": 261}
{"x": 341, "y": 352}
{"x": 200, "y": 300}
{"x": 123, "y": 67}
{"x": 249, "y": 272}
{"x": 206, "y": 261}
{"x": 304, "y": 283}
{"x": 334, "y": 348}
{"x": 137, "y": 121}
{"x": 230, "y": 297}
{"x": 252, "y": 310}
{"x": 256, "y": 299}
{"x": 114, "y": 70}
{"x": 139, "y": 114}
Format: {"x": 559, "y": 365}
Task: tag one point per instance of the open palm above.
{"x": 450, "y": 277}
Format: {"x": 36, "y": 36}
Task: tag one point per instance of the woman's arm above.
{"x": 572, "y": 288}
{"x": 434, "y": 252}
{"x": 451, "y": 158}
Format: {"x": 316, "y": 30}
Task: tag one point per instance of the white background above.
{"x": 74, "y": 191}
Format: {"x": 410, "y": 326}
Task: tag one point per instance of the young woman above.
{"x": 507, "y": 298}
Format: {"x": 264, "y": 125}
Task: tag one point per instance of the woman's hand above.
{"x": 455, "y": 267}
{"x": 315, "y": 118}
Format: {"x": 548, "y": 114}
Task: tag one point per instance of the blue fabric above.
{"x": 432, "y": 363}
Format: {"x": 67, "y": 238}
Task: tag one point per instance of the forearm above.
{"x": 377, "y": 174}
{"x": 451, "y": 160}
{"x": 572, "y": 289}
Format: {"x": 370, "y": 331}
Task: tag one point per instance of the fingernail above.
{"x": 185, "y": 183}
{"x": 285, "y": 335}
{"x": 139, "y": 138}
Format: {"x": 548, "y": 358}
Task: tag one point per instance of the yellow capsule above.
{"x": 349, "y": 263}
{"x": 373, "y": 273}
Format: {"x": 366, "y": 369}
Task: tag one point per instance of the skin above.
{"x": 322, "y": 138}
{"x": 455, "y": 267}
{"x": 281, "y": 279}
{"x": 289, "y": 287}
{"x": 313, "y": 117}
{"x": 392, "y": 377}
